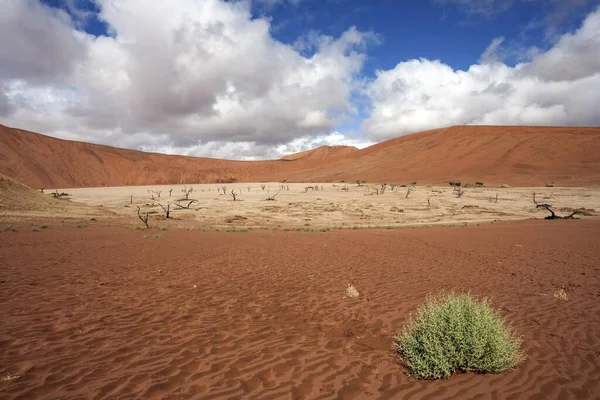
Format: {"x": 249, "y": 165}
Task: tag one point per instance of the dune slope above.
{"x": 321, "y": 153}
{"x": 515, "y": 155}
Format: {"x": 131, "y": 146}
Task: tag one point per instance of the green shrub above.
{"x": 44, "y": 226}
{"x": 457, "y": 333}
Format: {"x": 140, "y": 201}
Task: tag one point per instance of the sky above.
{"x": 259, "y": 79}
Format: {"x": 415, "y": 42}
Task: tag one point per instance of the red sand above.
{"x": 524, "y": 156}
{"x": 322, "y": 152}
{"x": 101, "y": 312}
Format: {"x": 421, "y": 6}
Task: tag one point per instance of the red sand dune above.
{"x": 321, "y": 152}
{"x": 492, "y": 154}
{"x": 103, "y": 313}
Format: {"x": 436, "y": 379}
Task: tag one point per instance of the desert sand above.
{"x": 245, "y": 299}
{"x": 495, "y": 155}
{"x": 113, "y": 313}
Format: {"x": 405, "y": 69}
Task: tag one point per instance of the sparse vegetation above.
{"x": 455, "y": 332}
{"x": 351, "y": 292}
{"x": 9, "y": 228}
{"x": 505, "y": 186}
{"x": 561, "y": 294}
{"x": 8, "y": 377}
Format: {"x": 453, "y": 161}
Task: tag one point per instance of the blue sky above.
{"x": 261, "y": 78}
{"x": 406, "y": 29}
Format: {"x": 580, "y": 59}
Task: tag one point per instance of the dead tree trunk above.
{"x": 408, "y": 190}
{"x": 232, "y": 194}
{"x": 548, "y": 207}
{"x": 167, "y": 210}
{"x": 188, "y": 206}
{"x": 144, "y": 218}
{"x": 271, "y": 198}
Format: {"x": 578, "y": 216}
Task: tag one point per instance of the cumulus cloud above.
{"x": 558, "y": 87}
{"x": 37, "y": 43}
{"x": 183, "y": 73}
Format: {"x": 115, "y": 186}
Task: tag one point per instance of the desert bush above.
{"x": 9, "y": 228}
{"x": 505, "y": 186}
{"x": 351, "y": 292}
{"x": 455, "y": 332}
{"x": 561, "y": 294}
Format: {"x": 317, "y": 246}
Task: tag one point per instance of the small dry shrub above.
{"x": 351, "y": 292}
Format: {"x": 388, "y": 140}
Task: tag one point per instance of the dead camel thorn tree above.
{"x": 143, "y": 218}
{"x": 408, "y": 191}
{"x": 263, "y": 187}
{"x": 188, "y": 206}
{"x": 271, "y": 198}
{"x": 233, "y": 194}
{"x": 186, "y": 192}
{"x": 552, "y": 213}
{"x": 157, "y": 192}
{"x": 167, "y": 210}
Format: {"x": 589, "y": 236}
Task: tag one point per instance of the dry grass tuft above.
{"x": 561, "y": 294}
{"x": 351, "y": 292}
{"x": 8, "y": 377}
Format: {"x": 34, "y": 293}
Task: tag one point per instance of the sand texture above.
{"x": 113, "y": 313}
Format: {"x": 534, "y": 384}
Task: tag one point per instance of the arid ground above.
{"x": 245, "y": 299}
{"x": 330, "y": 205}
{"x": 107, "y": 312}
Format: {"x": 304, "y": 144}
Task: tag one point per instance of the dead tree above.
{"x": 408, "y": 190}
{"x": 490, "y": 198}
{"x": 143, "y": 218}
{"x": 167, "y": 210}
{"x": 42, "y": 190}
{"x": 224, "y": 189}
{"x": 392, "y": 186}
{"x": 345, "y": 188}
{"x": 428, "y": 202}
{"x": 157, "y": 192}
{"x": 233, "y": 194}
{"x": 248, "y": 188}
{"x": 170, "y": 191}
{"x": 459, "y": 191}
{"x": 263, "y": 187}
{"x": 188, "y": 206}
{"x": 271, "y": 198}
{"x": 131, "y": 199}
{"x": 306, "y": 188}
{"x": 57, "y": 195}
{"x": 548, "y": 207}
{"x": 186, "y": 192}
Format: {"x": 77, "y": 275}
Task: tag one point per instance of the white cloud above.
{"x": 558, "y": 87}
{"x": 185, "y": 73}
